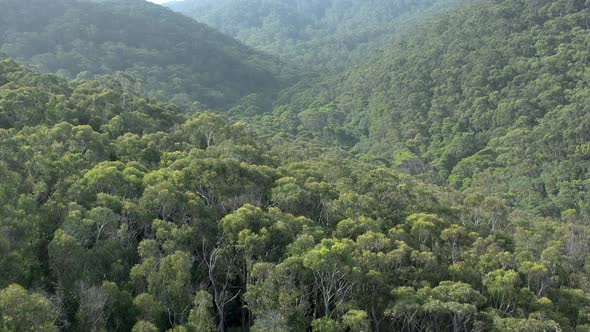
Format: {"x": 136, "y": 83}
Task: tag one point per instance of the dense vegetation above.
{"x": 493, "y": 98}
{"x": 324, "y": 34}
{"x": 121, "y": 213}
{"x": 441, "y": 186}
{"x": 173, "y": 56}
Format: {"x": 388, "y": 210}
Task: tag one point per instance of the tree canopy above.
{"x": 170, "y": 56}
{"x": 320, "y": 34}
{"x": 440, "y": 186}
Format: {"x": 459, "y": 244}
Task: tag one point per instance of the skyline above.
{"x": 159, "y": 2}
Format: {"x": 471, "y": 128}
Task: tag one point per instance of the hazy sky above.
{"x": 160, "y": 1}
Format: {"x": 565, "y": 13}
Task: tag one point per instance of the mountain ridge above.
{"x": 441, "y": 185}
{"x": 447, "y": 99}
{"x": 322, "y": 35}
{"x": 170, "y": 53}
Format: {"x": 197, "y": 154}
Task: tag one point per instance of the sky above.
{"x": 160, "y": 1}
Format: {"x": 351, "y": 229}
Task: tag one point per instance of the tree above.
{"x": 171, "y": 285}
{"x": 91, "y": 315}
{"x": 274, "y": 299}
{"x": 457, "y": 300}
{"x": 205, "y": 130}
{"x": 522, "y": 325}
{"x": 143, "y": 326}
{"x": 574, "y": 304}
{"x": 66, "y": 259}
{"x": 331, "y": 264}
{"x": 425, "y": 227}
{"x": 21, "y": 235}
{"x": 148, "y": 309}
{"x": 537, "y": 277}
{"x": 118, "y": 308}
{"x": 290, "y": 196}
{"x": 167, "y": 278}
{"x": 220, "y": 267}
{"x": 21, "y": 310}
{"x": 351, "y": 228}
{"x": 456, "y": 236}
{"x": 502, "y": 287}
{"x": 261, "y": 234}
{"x": 324, "y": 324}
{"x": 406, "y": 310}
{"x": 201, "y": 316}
{"x": 452, "y": 304}
{"x": 356, "y": 321}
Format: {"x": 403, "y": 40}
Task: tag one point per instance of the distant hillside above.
{"x": 495, "y": 95}
{"x": 322, "y": 34}
{"x": 175, "y": 57}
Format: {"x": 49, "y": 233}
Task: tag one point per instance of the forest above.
{"x": 176, "y": 58}
{"x": 319, "y": 34}
{"x": 305, "y": 165}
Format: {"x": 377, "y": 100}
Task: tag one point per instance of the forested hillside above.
{"x": 321, "y": 34}
{"x": 440, "y": 186}
{"x": 121, "y": 214}
{"x": 175, "y": 58}
{"x": 493, "y": 98}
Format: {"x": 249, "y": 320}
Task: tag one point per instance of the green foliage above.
{"x": 143, "y": 326}
{"x": 491, "y": 98}
{"x": 356, "y": 321}
{"x": 201, "y": 316}
{"x": 439, "y": 187}
{"x": 323, "y": 34}
{"x": 21, "y": 310}
{"x": 325, "y": 325}
{"x": 168, "y": 56}
{"x": 136, "y": 219}
{"x": 522, "y": 325}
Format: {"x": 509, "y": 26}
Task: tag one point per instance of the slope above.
{"x": 175, "y": 57}
{"x": 319, "y": 34}
{"x": 119, "y": 214}
{"x": 493, "y": 96}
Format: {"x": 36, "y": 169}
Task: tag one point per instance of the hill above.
{"x": 174, "y": 57}
{"x": 328, "y": 34}
{"x": 492, "y": 98}
{"x": 120, "y": 214}
{"x": 440, "y": 186}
